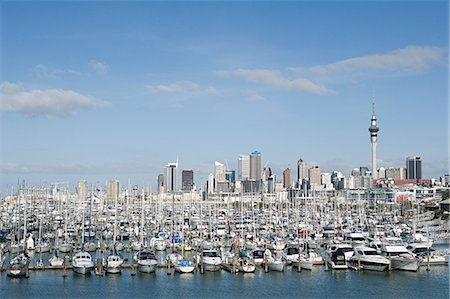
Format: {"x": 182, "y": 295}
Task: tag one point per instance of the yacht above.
{"x": 291, "y": 254}
{"x": 368, "y": 259}
{"x": 274, "y": 263}
{"x": 113, "y": 263}
{"x": 210, "y": 260}
{"x": 337, "y": 255}
{"x": 18, "y": 266}
{"x": 401, "y": 259}
{"x": 180, "y": 264}
{"x": 147, "y": 262}
{"x": 257, "y": 255}
{"x": 82, "y": 263}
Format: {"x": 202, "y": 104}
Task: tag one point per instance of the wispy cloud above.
{"x": 411, "y": 59}
{"x": 47, "y": 102}
{"x": 275, "y": 78}
{"x": 43, "y": 71}
{"x": 184, "y": 86}
{"x": 253, "y": 96}
{"x": 99, "y": 67}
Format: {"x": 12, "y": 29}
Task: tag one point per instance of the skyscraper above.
{"x": 171, "y": 177}
{"x": 302, "y": 170}
{"x": 112, "y": 190}
{"x": 287, "y": 178}
{"x": 373, "y": 129}
{"x": 187, "y": 180}
{"x": 414, "y": 168}
{"x": 230, "y": 175}
{"x": 220, "y": 171}
{"x": 255, "y": 166}
{"x": 314, "y": 176}
{"x": 160, "y": 183}
{"x": 82, "y": 190}
{"x": 244, "y": 168}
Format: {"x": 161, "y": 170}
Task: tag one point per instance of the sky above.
{"x": 116, "y": 90}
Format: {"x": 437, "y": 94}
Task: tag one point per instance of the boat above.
{"x": 291, "y": 254}
{"x": 257, "y": 255}
{"x": 274, "y": 263}
{"x": 337, "y": 255}
{"x": 401, "y": 259}
{"x": 367, "y": 258}
{"x": 82, "y": 263}
{"x": 146, "y": 260}
{"x": 246, "y": 265}
{"x": 55, "y": 260}
{"x": 180, "y": 264}
{"x": 113, "y": 263}
{"x": 210, "y": 260}
{"x": 18, "y": 266}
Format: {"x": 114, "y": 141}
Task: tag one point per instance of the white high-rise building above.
{"x": 244, "y": 168}
{"x": 82, "y": 190}
{"x": 210, "y": 183}
{"x": 171, "y": 177}
{"x": 220, "y": 171}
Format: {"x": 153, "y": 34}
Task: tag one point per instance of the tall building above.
{"x": 373, "y": 129}
{"x": 210, "y": 183}
{"x": 314, "y": 176}
{"x": 255, "y": 166}
{"x": 244, "y": 168}
{"x": 266, "y": 173}
{"x": 230, "y": 175}
{"x": 302, "y": 170}
{"x": 112, "y": 190}
{"x": 187, "y": 180}
{"x": 220, "y": 171}
{"x": 171, "y": 177}
{"x": 414, "y": 168}
{"x": 82, "y": 190}
{"x": 287, "y": 178}
{"x": 161, "y": 184}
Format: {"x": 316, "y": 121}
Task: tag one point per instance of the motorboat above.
{"x": 367, "y": 258}
{"x": 337, "y": 255}
{"x": 210, "y": 260}
{"x": 18, "y": 266}
{"x": 113, "y": 263}
{"x": 146, "y": 260}
{"x": 291, "y": 254}
{"x": 257, "y": 255}
{"x": 401, "y": 259}
{"x": 82, "y": 263}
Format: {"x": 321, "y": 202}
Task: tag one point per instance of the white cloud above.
{"x": 47, "y": 102}
{"x": 275, "y": 78}
{"x": 99, "y": 67}
{"x": 254, "y": 96}
{"x": 411, "y": 59}
{"x": 43, "y": 71}
{"x": 183, "y": 86}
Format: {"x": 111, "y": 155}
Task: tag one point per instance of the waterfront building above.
{"x": 187, "y": 180}
{"x": 219, "y": 171}
{"x": 398, "y": 173}
{"x": 230, "y": 176}
{"x": 210, "y": 186}
{"x": 381, "y": 173}
{"x": 414, "y": 168}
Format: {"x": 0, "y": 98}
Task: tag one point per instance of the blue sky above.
{"x": 118, "y": 89}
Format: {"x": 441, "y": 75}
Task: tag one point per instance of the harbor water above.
{"x": 317, "y": 283}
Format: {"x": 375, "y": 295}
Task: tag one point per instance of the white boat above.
{"x": 367, "y": 258}
{"x": 42, "y": 247}
{"x": 278, "y": 244}
{"x": 113, "y": 263}
{"x": 18, "y": 266}
{"x": 147, "y": 262}
{"x": 160, "y": 244}
{"x": 337, "y": 255}
{"x": 257, "y": 255}
{"x": 246, "y": 265}
{"x": 180, "y": 264}
{"x": 89, "y": 247}
{"x": 82, "y": 263}
{"x": 273, "y": 263}
{"x": 210, "y": 260}
{"x": 291, "y": 254}
{"x": 136, "y": 245}
{"x": 65, "y": 247}
{"x": 55, "y": 260}
{"x": 401, "y": 259}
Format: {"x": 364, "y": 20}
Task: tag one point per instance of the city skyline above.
{"x": 117, "y": 91}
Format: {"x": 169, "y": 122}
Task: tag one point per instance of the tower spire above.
{"x": 373, "y": 129}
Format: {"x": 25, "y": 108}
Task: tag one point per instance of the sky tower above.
{"x": 373, "y": 129}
